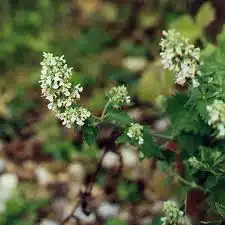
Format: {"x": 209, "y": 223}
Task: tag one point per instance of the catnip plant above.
{"x": 197, "y": 122}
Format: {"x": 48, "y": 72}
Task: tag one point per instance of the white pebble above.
{"x": 135, "y": 64}
{"x": 91, "y": 218}
{"x": 130, "y": 158}
{"x": 107, "y": 210}
{"x": 110, "y": 160}
{"x": 77, "y": 171}
{"x": 48, "y": 222}
{"x": 161, "y": 125}
{"x": 44, "y": 177}
{"x": 8, "y": 183}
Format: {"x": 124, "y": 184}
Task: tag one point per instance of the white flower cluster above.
{"x": 217, "y": 117}
{"x": 118, "y": 96}
{"x": 172, "y": 214}
{"x": 135, "y": 132}
{"x": 62, "y": 95}
{"x": 180, "y": 57}
{"x": 76, "y": 115}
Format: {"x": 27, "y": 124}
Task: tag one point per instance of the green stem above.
{"x": 208, "y": 222}
{"x": 186, "y": 182}
{"x": 105, "y": 110}
{"x": 161, "y": 135}
{"x": 103, "y": 115}
{"x": 96, "y": 117}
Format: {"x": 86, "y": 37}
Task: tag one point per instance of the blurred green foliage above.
{"x": 128, "y": 191}
{"x": 22, "y": 210}
{"x": 106, "y": 43}
{"x": 115, "y": 221}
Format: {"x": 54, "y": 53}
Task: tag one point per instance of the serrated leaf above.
{"x": 219, "y": 197}
{"x": 210, "y": 182}
{"x": 90, "y": 134}
{"x": 123, "y": 139}
{"x": 205, "y": 15}
{"x": 220, "y": 209}
{"x": 149, "y": 148}
{"x": 189, "y": 142}
{"x": 118, "y": 117}
{"x": 184, "y": 118}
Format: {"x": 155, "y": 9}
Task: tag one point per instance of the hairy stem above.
{"x": 105, "y": 110}
{"x": 161, "y": 135}
{"x": 103, "y": 115}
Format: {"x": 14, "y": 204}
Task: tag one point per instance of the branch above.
{"x": 84, "y": 195}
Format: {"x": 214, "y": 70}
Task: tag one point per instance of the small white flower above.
{"x": 180, "y": 57}
{"x": 118, "y": 96}
{"x": 91, "y": 218}
{"x": 216, "y": 113}
{"x": 76, "y": 115}
{"x": 107, "y": 210}
{"x": 62, "y": 95}
{"x": 172, "y": 214}
{"x": 135, "y": 133}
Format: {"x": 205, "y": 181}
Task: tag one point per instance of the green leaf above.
{"x": 115, "y": 221}
{"x": 185, "y": 118}
{"x": 219, "y": 197}
{"x": 120, "y": 118}
{"x": 149, "y": 148}
{"x": 90, "y": 134}
{"x": 123, "y": 139}
{"x": 156, "y": 221}
{"x": 205, "y": 15}
{"x": 220, "y": 209}
{"x": 210, "y": 182}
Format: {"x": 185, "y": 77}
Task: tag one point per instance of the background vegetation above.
{"x": 107, "y": 43}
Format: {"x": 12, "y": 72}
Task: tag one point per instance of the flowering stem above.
{"x": 210, "y": 222}
{"x": 96, "y": 117}
{"x": 105, "y": 110}
{"x": 186, "y": 182}
{"x": 103, "y": 115}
